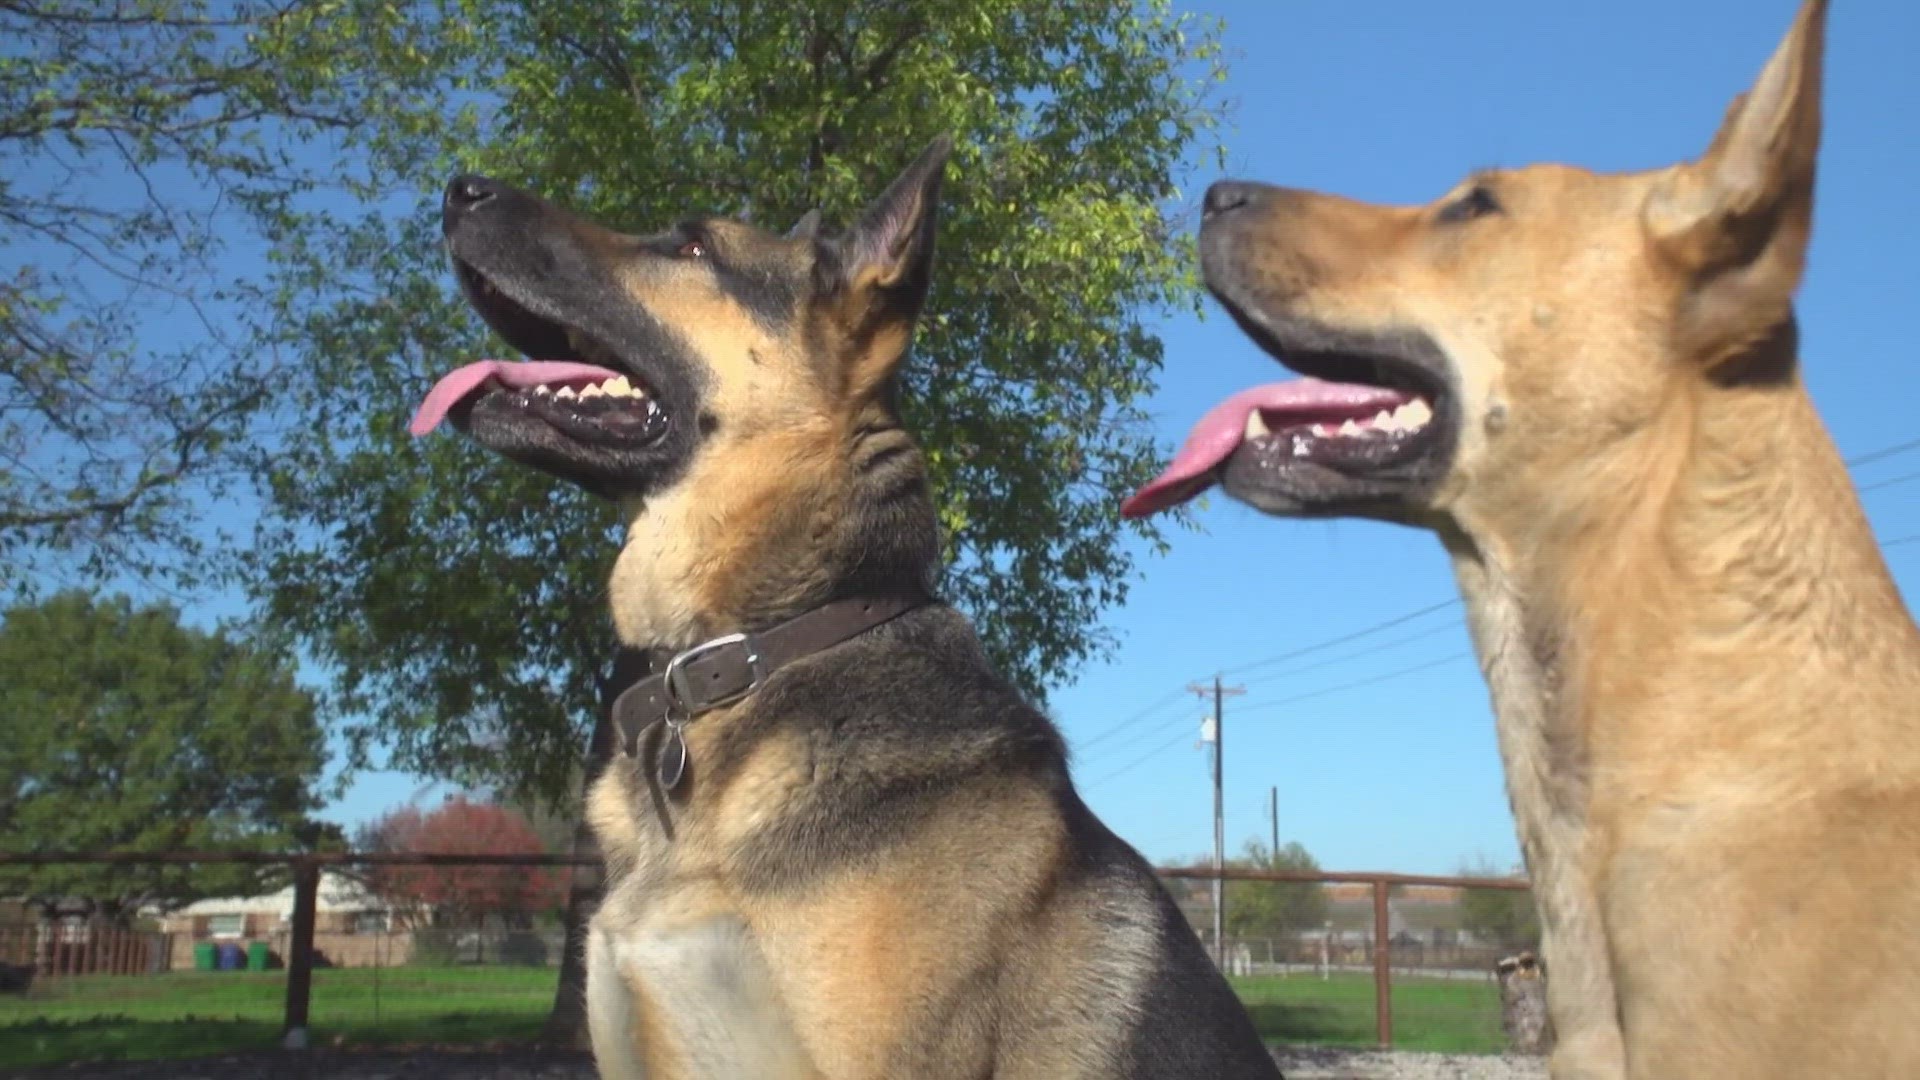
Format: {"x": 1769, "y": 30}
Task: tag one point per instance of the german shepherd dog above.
{"x": 1707, "y": 687}
{"x": 861, "y": 856}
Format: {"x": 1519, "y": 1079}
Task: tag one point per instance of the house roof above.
{"x": 338, "y": 893}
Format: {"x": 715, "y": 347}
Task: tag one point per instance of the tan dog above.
{"x": 839, "y": 843}
{"x": 1706, "y": 684}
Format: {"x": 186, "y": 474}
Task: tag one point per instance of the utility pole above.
{"x": 1219, "y": 811}
{"x": 1273, "y": 808}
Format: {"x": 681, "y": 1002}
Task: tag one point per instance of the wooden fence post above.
{"x": 1382, "y": 968}
{"x": 306, "y": 898}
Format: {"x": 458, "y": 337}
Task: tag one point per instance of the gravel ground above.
{"x": 1303, "y": 1063}
{"x": 1316, "y": 1063}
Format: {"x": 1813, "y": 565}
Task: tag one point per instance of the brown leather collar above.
{"x": 726, "y": 669}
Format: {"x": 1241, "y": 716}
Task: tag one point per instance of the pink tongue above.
{"x": 450, "y": 390}
{"x": 1220, "y": 432}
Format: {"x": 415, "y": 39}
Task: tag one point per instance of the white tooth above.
{"x": 1349, "y": 428}
{"x": 592, "y": 391}
{"x": 1323, "y": 431}
{"x": 543, "y": 389}
{"x": 1383, "y": 420}
{"x": 1256, "y": 425}
{"x": 1414, "y": 414}
{"x": 566, "y": 393}
{"x": 619, "y": 386}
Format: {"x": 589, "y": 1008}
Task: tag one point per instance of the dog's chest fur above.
{"x": 881, "y": 849}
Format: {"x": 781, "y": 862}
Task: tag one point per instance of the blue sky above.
{"x": 1382, "y": 748}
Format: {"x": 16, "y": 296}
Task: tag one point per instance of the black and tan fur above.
{"x": 877, "y": 866}
{"x": 1706, "y": 684}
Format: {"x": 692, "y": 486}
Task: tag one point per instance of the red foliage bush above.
{"x": 464, "y": 895}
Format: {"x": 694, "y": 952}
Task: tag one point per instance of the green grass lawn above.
{"x": 1448, "y": 1015}
{"x": 190, "y": 1014}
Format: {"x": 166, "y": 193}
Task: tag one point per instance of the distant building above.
{"x": 344, "y": 910}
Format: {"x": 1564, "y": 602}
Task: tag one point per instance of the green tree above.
{"x": 456, "y": 598}
{"x": 1263, "y": 908}
{"x": 1268, "y": 908}
{"x": 1502, "y": 917}
{"x": 136, "y": 139}
{"x": 127, "y": 731}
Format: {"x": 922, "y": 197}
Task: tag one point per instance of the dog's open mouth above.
{"x": 569, "y": 383}
{"x": 1368, "y": 424}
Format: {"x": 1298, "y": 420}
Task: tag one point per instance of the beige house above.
{"x": 352, "y": 926}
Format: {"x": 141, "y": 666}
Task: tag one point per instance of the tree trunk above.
{"x": 567, "y": 1021}
{"x": 1523, "y": 1003}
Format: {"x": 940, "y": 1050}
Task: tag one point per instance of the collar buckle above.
{"x": 689, "y": 694}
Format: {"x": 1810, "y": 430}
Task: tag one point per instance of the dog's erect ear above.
{"x": 882, "y": 267}
{"x": 806, "y": 227}
{"x": 891, "y": 247}
{"x": 1738, "y": 220}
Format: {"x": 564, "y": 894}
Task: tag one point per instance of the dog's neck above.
{"x": 1678, "y": 599}
{"x": 1697, "y": 615}
{"x": 658, "y": 634}
{"x": 688, "y": 573}
{"x": 652, "y": 658}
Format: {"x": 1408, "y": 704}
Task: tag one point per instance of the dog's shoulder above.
{"x": 887, "y": 733}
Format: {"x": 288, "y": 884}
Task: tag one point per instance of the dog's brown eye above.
{"x": 1477, "y": 202}
{"x": 692, "y": 249}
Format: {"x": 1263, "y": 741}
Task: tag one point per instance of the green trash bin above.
{"x": 203, "y": 956}
{"x": 256, "y": 956}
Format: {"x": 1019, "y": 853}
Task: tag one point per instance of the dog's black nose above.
{"x": 1226, "y": 195}
{"x": 467, "y": 191}
{"x": 465, "y": 194}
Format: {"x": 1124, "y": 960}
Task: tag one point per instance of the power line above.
{"x": 1084, "y": 752}
{"x": 1107, "y": 753}
{"x": 1878, "y": 484}
{"x": 1387, "y": 646}
{"x": 1357, "y": 683}
{"x": 1157, "y": 750}
{"x": 1343, "y": 639}
{"x": 1160, "y": 703}
{"x": 1154, "y": 708}
{"x": 1880, "y": 455}
{"x": 1139, "y": 761}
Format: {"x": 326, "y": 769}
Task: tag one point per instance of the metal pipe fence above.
{"x": 345, "y": 948}
{"x": 1411, "y": 960}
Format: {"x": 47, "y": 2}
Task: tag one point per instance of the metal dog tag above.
{"x": 671, "y": 766}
